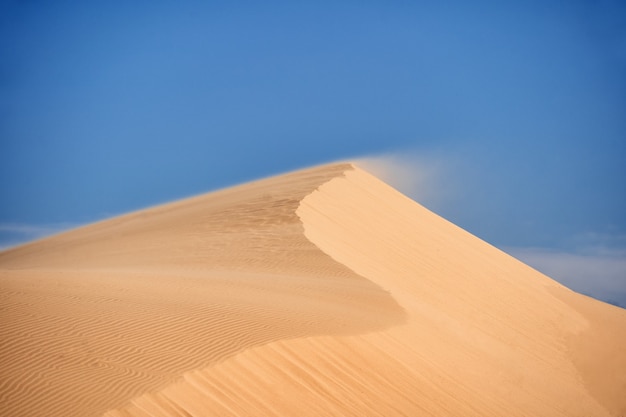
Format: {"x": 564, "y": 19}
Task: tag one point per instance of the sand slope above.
{"x": 322, "y": 292}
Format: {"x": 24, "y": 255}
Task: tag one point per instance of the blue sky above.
{"x": 512, "y": 114}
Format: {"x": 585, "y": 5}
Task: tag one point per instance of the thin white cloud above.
{"x": 13, "y": 234}
{"x": 27, "y": 229}
{"x": 597, "y": 272}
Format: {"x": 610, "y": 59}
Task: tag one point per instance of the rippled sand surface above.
{"x": 320, "y": 292}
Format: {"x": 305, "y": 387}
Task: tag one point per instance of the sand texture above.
{"x": 320, "y": 292}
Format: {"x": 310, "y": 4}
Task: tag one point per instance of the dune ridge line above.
{"x": 319, "y": 292}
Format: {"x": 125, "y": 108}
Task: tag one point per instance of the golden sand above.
{"x": 321, "y": 292}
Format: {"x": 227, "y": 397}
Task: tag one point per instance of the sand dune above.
{"x": 321, "y": 292}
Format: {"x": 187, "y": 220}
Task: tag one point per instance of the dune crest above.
{"x": 529, "y": 343}
{"x": 321, "y": 292}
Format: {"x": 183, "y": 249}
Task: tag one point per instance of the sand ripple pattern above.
{"x": 323, "y": 292}
{"x": 484, "y": 335}
{"x": 97, "y": 316}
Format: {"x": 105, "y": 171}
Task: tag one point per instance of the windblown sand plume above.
{"x": 321, "y": 292}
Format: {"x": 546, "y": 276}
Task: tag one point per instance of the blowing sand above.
{"x": 321, "y": 292}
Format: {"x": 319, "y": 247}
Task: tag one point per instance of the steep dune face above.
{"x": 507, "y": 332}
{"x": 323, "y": 292}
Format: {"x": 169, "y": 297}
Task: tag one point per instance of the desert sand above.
{"x": 314, "y": 293}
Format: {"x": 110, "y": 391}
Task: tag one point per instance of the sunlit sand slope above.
{"x": 496, "y": 335}
{"x": 323, "y": 292}
{"x": 97, "y": 316}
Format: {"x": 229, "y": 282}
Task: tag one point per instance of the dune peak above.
{"x": 318, "y": 292}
